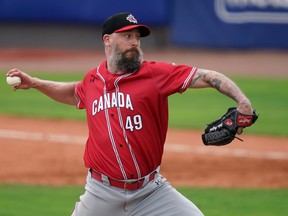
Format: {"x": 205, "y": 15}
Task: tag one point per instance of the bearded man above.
{"x": 126, "y": 102}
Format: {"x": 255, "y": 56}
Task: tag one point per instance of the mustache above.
{"x": 133, "y": 49}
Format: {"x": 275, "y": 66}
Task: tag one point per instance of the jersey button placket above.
{"x": 109, "y": 84}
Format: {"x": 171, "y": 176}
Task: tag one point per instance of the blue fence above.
{"x": 81, "y": 11}
{"x": 231, "y": 23}
{"x": 193, "y": 23}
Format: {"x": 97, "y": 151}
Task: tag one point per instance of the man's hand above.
{"x": 26, "y": 80}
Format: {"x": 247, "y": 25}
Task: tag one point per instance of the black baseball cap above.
{"x": 123, "y": 22}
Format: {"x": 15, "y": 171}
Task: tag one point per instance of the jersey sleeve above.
{"x": 172, "y": 78}
{"x": 80, "y": 89}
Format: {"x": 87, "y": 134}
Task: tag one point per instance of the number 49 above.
{"x": 134, "y": 123}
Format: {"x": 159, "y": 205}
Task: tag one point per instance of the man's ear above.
{"x": 106, "y": 39}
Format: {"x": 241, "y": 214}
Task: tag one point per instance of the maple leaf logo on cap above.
{"x": 131, "y": 18}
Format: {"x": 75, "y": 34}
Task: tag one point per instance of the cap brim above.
{"x": 144, "y": 30}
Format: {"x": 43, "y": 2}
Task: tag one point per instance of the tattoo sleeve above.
{"x": 207, "y": 78}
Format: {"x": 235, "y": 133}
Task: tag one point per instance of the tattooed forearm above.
{"x": 196, "y": 77}
{"x": 216, "y": 83}
{"x": 225, "y": 86}
{"x": 208, "y": 78}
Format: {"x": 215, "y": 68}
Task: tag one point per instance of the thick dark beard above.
{"x": 128, "y": 61}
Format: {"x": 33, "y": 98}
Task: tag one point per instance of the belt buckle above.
{"x": 138, "y": 182}
{"x": 131, "y": 183}
{"x": 125, "y": 184}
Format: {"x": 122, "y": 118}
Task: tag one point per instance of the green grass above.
{"x": 193, "y": 109}
{"x": 27, "y": 200}
{"x": 239, "y": 202}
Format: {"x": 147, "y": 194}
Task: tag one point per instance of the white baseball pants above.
{"x": 156, "y": 198}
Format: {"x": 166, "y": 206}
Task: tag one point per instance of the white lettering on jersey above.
{"x": 110, "y": 100}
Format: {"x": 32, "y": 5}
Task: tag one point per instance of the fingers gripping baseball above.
{"x": 26, "y": 81}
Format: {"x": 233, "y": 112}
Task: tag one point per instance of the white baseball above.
{"x": 13, "y": 81}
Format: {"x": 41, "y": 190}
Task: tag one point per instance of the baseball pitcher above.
{"x": 126, "y": 103}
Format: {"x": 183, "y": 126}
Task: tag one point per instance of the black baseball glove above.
{"x": 223, "y": 130}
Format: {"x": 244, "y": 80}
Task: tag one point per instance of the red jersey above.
{"x": 127, "y": 116}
